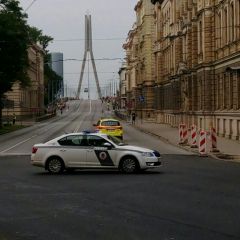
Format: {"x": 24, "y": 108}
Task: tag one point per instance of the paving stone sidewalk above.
{"x": 229, "y": 150}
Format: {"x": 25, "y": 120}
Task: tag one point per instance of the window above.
{"x": 200, "y": 37}
{"x": 219, "y": 92}
{"x": 219, "y": 30}
{"x": 200, "y": 93}
{"x": 95, "y": 141}
{"x": 231, "y": 91}
{"x": 71, "y": 141}
{"x": 225, "y": 28}
{"x": 238, "y": 90}
{"x": 232, "y": 22}
{"x": 225, "y": 92}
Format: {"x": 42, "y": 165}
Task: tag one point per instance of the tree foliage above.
{"x": 15, "y": 37}
{"x": 14, "y": 42}
{"x": 36, "y": 35}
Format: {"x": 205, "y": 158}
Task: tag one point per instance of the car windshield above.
{"x": 110, "y": 123}
{"x": 116, "y": 140}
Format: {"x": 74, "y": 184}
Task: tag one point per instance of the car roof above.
{"x": 109, "y": 119}
{"x": 86, "y": 132}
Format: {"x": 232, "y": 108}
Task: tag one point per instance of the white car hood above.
{"x": 136, "y": 148}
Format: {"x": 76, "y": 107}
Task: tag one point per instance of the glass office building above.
{"x": 56, "y": 64}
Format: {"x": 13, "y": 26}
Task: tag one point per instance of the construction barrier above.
{"x": 202, "y": 144}
{"x": 194, "y": 136}
{"x": 180, "y": 133}
{"x": 213, "y": 139}
{"x": 184, "y": 130}
{"x": 183, "y": 138}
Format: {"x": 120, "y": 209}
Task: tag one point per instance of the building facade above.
{"x": 197, "y": 55}
{"x": 140, "y": 61}
{"x": 28, "y": 102}
{"x": 56, "y": 64}
{"x": 131, "y": 47}
{"x": 122, "y": 87}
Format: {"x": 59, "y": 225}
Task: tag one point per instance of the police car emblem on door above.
{"x": 104, "y": 158}
{"x": 102, "y": 155}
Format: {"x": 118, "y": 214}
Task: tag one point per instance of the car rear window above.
{"x": 110, "y": 123}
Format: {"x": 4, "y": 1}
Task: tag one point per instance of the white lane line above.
{"x": 76, "y": 129}
{"x": 27, "y": 139}
{"x": 15, "y": 154}
{"x": 80, "y": 124}
{"x": 16, "y": 145}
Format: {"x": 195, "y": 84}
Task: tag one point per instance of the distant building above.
{"x": 122, "y": 85}
{"x": 28, "y": 102}
{"x": 56, "y": 64}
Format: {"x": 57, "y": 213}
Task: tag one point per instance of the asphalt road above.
{"x": 187, "y": 198}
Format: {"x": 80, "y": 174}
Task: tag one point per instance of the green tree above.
{"x": 14, "y": 40}
{"x": 15, "y": 37}
{"x": 36, "y": 35}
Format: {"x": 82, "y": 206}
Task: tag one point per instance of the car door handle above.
{"x": 62, "y": 150}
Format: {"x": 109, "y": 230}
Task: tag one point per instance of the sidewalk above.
{"x": 228, "y": 149}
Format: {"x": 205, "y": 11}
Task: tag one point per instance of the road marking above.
{"x": 76, "y": 130}
{"x": 14, "y": 154}
{"x": 80, "y": 123}
{"x": 16, "y": 145}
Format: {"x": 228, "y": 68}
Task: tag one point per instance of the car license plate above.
{"x": 111, "y": 130}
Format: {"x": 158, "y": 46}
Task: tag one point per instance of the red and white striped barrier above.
{"x": 213, "y": 139}
{"x": 202, "y": 144}
{"x": 180, "y": 133}
{"x": 183, "y": 139}
{"x": 194, "y": 136}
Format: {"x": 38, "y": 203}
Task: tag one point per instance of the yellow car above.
{"x": 109, "y": 126}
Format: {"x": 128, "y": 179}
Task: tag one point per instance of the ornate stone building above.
{"x": 140, "y": 61}
{"x": 28, "y": 102}
{"x": 131, "y": 47}
{"x": 198, "y": 64}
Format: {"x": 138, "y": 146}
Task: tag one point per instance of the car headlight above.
{"x": 147, "y": 154}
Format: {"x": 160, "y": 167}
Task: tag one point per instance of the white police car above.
{"x": 92, "y": 150}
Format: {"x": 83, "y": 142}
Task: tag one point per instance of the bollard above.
{"x": 202, "y": 144}
{"x": 185, "y": 137}
{"x": 180, "y": 133}
{"x": 213, "y": 139}
{"x": 194, "y": 136}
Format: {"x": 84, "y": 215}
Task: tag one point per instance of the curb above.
{"x": 219, "y": 156}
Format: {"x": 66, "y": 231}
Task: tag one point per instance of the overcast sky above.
{"x": 64, "y": 20}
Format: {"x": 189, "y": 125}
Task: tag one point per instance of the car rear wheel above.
{"x": 55, "y": 165}
{"x": 129, "y": 165}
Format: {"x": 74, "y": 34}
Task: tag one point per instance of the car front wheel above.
{"x": 129, "y": 165}
{"x": 55, "y": 165}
